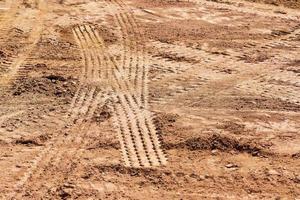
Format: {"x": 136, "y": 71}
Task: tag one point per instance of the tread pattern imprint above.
{"x": 125, "y": 82}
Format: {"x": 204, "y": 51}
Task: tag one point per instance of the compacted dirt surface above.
{"x": 138, "y": 99}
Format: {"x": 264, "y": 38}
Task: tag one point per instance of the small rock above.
{"x": 9, "y": 129}
{"x": 214, "y": 152}
{"x": 255, "y": 153}
{"x": 202, "y": 177}
{"x": 272, "y": 172}
{"x": 68, "y": 185}
{"x": 230, "y": 165}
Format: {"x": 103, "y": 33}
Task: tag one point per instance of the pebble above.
{"x": 214, "y": 152}
{"x": 273, "y": 172}
{"x": 230, "y": 165}
{"x": 9, "y": 130}
{"x": 68, "y": 185}
{"x": 202, "y": 177}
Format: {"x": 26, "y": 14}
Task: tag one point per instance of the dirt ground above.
{"x": 287, "y": 3}
{"x": 138, "y": 99}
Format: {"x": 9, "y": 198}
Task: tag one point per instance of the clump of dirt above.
{"x": 49, "y": 85}
{"x": 107, "y": 144}
{"x": 296, "y": 155}
{"x": 102, "y": 114}
{"x": 108, "y": 36}
{"x": 33, "y": 141}
{"x": 57, "y": 49}
{"x": 63, "y": 193}
{"x": 255, "y": 57}
{"x": 2, "y": 55}
{"x": 27, "y": 4}
{"x": 166, "y": 123}
{"x": 162, "y": 122}
{"x": 294, "y": 63}
{"x": 165, "y": 119}
{"x": 219, "y": 142}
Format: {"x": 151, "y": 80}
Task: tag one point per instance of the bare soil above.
{"x": 136, "y": 99}
{"x": 287, "y": 3}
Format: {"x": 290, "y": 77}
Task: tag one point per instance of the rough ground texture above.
{"x": 137, "y": 99}
{"x": 286, "y": 3}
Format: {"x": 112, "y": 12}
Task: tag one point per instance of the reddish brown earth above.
{"x": 141, "y": 99}
{"x": 287, "y": 3}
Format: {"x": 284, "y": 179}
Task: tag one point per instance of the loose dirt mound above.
{"x": 50, "y": 85}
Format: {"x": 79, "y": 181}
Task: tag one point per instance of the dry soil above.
{"x": 138, "y": 99}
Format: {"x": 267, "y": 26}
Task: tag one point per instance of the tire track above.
{"x": 14, "y": 64}
{"x": 142, "y": 148}
{"x": 131, "y": 64}
{"x": 52, "y": 156}
{"x": 71, "y": 146}
{"x": 196, "y": 55}
{"x": 137, "y": 72}
{"x": 139, "y": 154}
{"x": 134, "y": 58}
{"x": 129, "y": 147}
{"x": 127, "y": 133}
{"x": 7, "y": 18}
{"x": 144, "y": 120}
{"x": 44, "y": 156}
{"x": 134, "y": 49}
{"x": 141, "y": 80}
{"x": 127, "y": 55}
{"x": 77, "y": 108}
{"x": 84, "y": 103}
{"x": 174, "y": 82}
